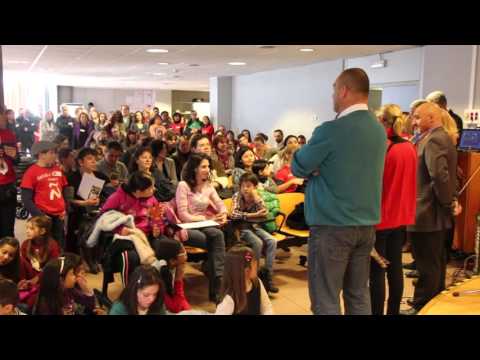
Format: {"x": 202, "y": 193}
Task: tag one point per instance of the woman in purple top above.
{"x": 82, "y": 131}
{"x": 197, "y": 200}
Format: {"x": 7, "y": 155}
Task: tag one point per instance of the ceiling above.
{"x": 131, "y": 66}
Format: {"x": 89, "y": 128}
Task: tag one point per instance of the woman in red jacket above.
{"x": 207, "y": 128}
{"x": 397, "y": 211}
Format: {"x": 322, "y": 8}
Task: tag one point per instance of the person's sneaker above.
{"x": 411, "y": 311}
{"x": 412, "y": 274}
{"x": 271, "y": 288}
{"x": 410, "y": 266}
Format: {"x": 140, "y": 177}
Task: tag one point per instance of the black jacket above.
{"x": 24, "y": 129}
{"x": 459, "y": 122}
{"x": 65, "y": 126}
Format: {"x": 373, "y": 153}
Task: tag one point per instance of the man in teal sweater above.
{"x": 343, "y": 162}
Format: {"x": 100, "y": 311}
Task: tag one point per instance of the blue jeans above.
{"x": 212, "y": 240}
{"x": 339, "y": 259}
{"x": 256, "y": 238}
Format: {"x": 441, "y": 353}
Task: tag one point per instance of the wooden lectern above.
{"x": 466, "y": 222}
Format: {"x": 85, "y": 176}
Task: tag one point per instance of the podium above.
{"x": 466, "y": 222}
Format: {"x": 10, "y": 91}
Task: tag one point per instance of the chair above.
{"x": 288, "y": 202}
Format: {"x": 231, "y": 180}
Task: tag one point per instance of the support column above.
{"x": 221, "y": 101}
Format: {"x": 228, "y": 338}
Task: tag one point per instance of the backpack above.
{"x": 296, "y": 220}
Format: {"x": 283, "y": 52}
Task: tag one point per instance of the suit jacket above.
{"x": 436, "y": 182}
{"x": 169, "y": 165}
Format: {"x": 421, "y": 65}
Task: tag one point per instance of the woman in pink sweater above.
{"x": 197, "y": 200}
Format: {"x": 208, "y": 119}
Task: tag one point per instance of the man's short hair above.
{"x": 196, "y": 138}
{"x": 279, "y": 131}
{"x": 437, "y": 97}
{"x": 356, "y": 80}
{"x": 416, "y": 103}
{"x": 248, "y": 177}
{"x": 114, "y": 145}
{"x": 85, "y": 152}
{"x": 64, "y": 153}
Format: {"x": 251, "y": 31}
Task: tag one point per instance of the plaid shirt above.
{"x": 241, "y": 209}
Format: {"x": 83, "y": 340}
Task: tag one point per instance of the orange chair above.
{"x": 293, "y": 237}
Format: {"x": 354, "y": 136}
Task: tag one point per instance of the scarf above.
{"x": 224, "y": 158}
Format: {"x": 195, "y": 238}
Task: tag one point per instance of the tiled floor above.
{"x": 290, "y": 277}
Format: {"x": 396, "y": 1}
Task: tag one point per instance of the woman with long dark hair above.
{"x": 138, "y": 123}
{"x": 197, "y": 200}
{"x": 10, "y": 258}
{"x": 143, "y": 294}
{"x": 63, "y": 290}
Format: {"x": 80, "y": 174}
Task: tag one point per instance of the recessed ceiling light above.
{"x": 163, "y": 63}
{"x": 158, "y": 74}
{"x": 307, "y": 50}
{"x": 155, "y": 51}
{"x": 237, "y": 63}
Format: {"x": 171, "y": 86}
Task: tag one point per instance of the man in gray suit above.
{"x": 436, "y": 204}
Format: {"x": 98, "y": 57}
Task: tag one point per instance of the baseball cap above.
{"x": 42, "y": 146}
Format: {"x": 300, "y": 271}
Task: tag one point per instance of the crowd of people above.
{"x": 158, "y": 171}
{"x": 370, "y": 184}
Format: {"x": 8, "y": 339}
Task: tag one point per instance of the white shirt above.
{"x": 351, "y": 109}
{"x": 227, "y": 306}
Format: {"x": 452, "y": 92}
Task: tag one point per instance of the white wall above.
{"x": 404, "y": 65}
{"x": 163, "y": 100}
{"x": 400, "y": 79}
{"x": 290, "y": 98}
{"x": 448, "y": 68}
{"x": 106, "y": 100}
{"x": 287, "y": 99}
{"x": 402, "y": 95}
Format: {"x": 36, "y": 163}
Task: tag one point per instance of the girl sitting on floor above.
{"x": 243, "y": 292}
{"x": 64, "y": 289}
{"x": 143, "y": 294}
{"x": 175, "y": 256}
{"x": 10, "y": 259}
{"x": 37, "y": 250}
